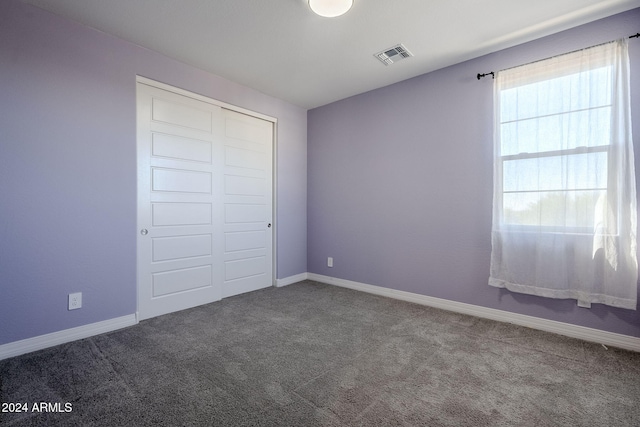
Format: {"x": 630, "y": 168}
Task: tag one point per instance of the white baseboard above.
{"x": 291, "y": 280}
{"x": 587, "y": 334}
{"x": 28, "y": 345}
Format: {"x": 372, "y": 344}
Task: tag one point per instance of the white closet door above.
{"x": 205, "y": 192}
{"x": 180, "y": 153}
{"x": 248, "y": 231}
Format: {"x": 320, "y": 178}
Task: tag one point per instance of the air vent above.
{"x": 393, "y": 54}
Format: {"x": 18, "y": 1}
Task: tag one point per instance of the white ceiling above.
{"x": 281, "y": 48}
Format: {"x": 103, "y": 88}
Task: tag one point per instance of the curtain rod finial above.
{"x": 486, "y": 74}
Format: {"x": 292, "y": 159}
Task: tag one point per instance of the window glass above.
{"x": 554, "y": 142}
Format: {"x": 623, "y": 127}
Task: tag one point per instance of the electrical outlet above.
{"x": 75, "y": 301}
{"x": 330, "y": 262}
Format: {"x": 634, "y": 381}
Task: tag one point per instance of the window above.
{"x": 564, "y": 181}
{"x": 555, "y": 135}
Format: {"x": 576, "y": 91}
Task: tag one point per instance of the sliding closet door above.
{"x": 248, "y": 231}
{"x": 204, "y": 201}
{"x": 180, "y": 152}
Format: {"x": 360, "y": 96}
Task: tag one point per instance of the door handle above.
{"x": 269, "y": 225}
{"x": 144, "y": 231}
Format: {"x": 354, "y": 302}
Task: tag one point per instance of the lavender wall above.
{"x": 400, "y": 182}
{"x": 68, "y": 169}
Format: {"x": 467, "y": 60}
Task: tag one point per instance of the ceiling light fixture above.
{"x": 330, "y": 8}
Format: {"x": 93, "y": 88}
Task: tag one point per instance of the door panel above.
{"x": 177, "y": 180}
{"x": 177, "y": 247}
{"x": 185, "y": 279}
{"x": 245, "y": 159}
{"x": 245, "y": 240}
{"x": 244, "y": 186}
{"x": 245, "y": 267}
{"x": 244, "y": 213}
{"x": 186, "y": 114}
{"x": 180, "y": 148}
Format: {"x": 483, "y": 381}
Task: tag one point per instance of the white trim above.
{"x": 581, "y": 332}
{"x": 208, "y": 100}
{"x": 28, "y": 345}
{"x": 291, "y": 280}
{"x": 274, "y": 205}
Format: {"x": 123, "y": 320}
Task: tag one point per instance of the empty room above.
{"x": 319, "y": 213}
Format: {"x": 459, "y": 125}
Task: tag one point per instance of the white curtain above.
{"x": 564, "y": 213}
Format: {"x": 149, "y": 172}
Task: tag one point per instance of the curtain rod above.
{"x": 493, "y": 76}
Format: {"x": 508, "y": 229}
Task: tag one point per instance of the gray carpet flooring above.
{"x": 310, "y": 354}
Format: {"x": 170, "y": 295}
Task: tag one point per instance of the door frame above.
{"x": 274, "y": 164}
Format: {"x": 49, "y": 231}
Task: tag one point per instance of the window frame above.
{"x": 584, "y": 149}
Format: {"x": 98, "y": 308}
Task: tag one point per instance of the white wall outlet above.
{"x": 330, "y": 262}
{"x": 75, "y": 301}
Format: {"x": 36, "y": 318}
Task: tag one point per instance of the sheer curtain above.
{"x": 564, "y": 208}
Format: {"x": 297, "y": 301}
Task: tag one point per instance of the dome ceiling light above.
{"x": 330, "y": 8}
